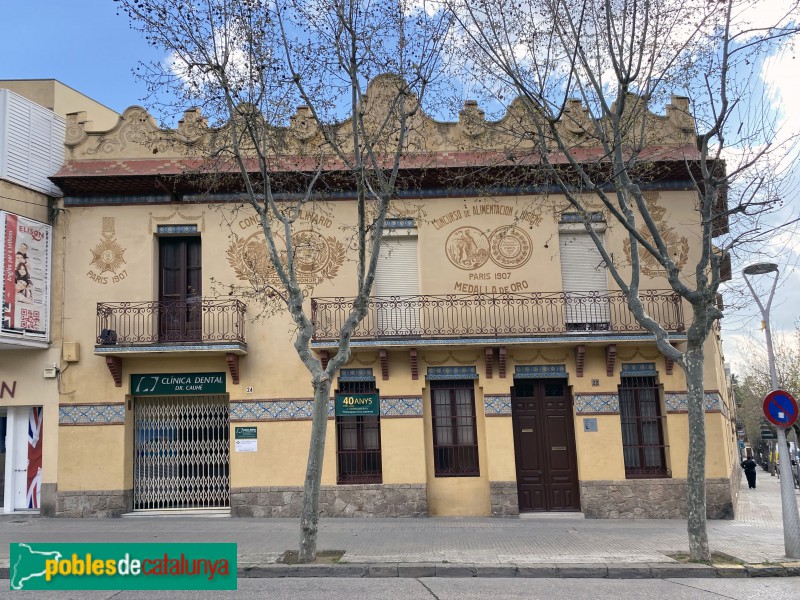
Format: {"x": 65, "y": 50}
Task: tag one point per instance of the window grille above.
{"x": 358, "y": 441}
{"x": 642, "y": 420}
{"x": 455, "y": 437}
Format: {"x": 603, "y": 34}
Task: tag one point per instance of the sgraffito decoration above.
{"x": 508, "y": 247}
{"x": 677, "y": 245}
{"x": 317, "y": 257}
{"x": 467, "y": 248}
{"x": 108, "y": 256}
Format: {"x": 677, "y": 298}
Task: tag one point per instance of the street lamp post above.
{"x": 791, "y": 518}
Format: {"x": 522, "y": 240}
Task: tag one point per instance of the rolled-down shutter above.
{"x": 583, "y": 274}
{"x": 396, "y": 287}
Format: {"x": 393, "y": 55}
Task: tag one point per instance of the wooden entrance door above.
{"x": 180, "y": 289}
{"x": 544, "y": 445}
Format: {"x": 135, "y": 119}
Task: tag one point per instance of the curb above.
{"x": 538, "y": 570}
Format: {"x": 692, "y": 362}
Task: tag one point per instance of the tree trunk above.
{"x": 309, "y": 517}
{"x": 696, "y": 480}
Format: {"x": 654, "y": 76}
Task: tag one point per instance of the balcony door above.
{"x": 585, "y": 283}
{"x": 180, "y": 292}
{"x": 396, "y": 288}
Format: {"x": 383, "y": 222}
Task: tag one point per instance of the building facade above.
{"x": 498, "y": 370}
{"x": 32, "y": 133}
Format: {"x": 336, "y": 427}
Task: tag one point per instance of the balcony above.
{"x": 205, "y": 325}
{"x": 208, "y": 326}
{"x": 495, "y": 316}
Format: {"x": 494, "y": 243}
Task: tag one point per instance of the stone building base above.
{"x": 504, "y": 499}
{"x": 93, "y": 503}
{"x": 359, "y": 500}
{"x": 652, "y": 499}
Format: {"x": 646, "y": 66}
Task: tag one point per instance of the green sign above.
{"x": 357, "y": 405}
{"x": 98, "y": 566}
{"x": 172, "y": 384}
{"x": 245, "y": 433}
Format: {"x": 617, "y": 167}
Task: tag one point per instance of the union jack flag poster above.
{"x": 34, "y": 456}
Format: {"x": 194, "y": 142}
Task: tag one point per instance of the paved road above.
{"x": 465, "y": 589}
{"x": 755, "y": 536}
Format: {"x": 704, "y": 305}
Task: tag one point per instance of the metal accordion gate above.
{"x": 181, "y": 452}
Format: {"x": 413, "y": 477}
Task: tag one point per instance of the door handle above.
{"x": 559, "y": 448}
{"x": 526, "y": 430}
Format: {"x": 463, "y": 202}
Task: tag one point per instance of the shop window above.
{"x": 642, "y": 420}
{"x": 358, "y": 441}
{"x": 455, "y": 438}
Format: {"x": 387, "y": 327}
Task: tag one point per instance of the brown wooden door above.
{"x": 544, "y": 445}
{"x": 180, "y": 294}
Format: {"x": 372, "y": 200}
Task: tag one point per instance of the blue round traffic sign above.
{"x": 780, "y": 408}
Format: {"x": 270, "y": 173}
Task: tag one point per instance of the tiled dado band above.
{"x": 300, "y": 409}
{"x": 260, "y": 410}
{"x": 394, "y": 406}
{"x": 91, "y": 414}
{"x": 676, "y": 402}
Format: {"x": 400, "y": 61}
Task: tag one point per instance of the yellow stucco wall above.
{"x": 717, "y": 454}
{"x": 282, "y": 455}
{"x": 403, "y": 450}
{"x": 458, "y": 496}
{"x": 92, "y": 457}
{"x": 500, "y": 449}
{"x": 600, "y": 452}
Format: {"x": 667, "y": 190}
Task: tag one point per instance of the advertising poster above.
{"x": 26, "y": 274}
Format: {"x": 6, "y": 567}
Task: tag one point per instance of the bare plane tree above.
{"x": 590, "y": 74}
{"x": 249, "y": 64}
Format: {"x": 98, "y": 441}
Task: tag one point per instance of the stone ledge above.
{"x": 766, "y": 571}
{"x": 651, "y": 499}
{"x": 357, "y": 500}
{"x": 416, "y": 570}
{"x": 671, "y": 570}
{"x": 582, "y": 570}
{"x": 628, "y": 571}
{"x": 537, "y": 570}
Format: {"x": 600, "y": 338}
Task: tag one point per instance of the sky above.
{"x": 86, "y": 45}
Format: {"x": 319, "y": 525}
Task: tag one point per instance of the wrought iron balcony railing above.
{"x": 494, "y": 315}
{"x": 200, "y": 321}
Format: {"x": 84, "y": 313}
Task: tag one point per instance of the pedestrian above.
{"x": 749, "y": 466}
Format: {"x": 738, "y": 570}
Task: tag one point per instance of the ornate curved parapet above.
{"x": 137, "y": 135}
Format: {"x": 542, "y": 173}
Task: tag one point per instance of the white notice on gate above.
{"x": 246, "y": 445}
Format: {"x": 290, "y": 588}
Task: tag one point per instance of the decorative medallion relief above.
{"x": 107, "y": 257}
{"x": 317, "y": 257}
{"x": 489, "y": 252}
{"x": 467, "y": 248}
{"x": 677, "y": 245}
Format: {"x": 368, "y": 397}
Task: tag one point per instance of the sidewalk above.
{"x": 527, "y": 547}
